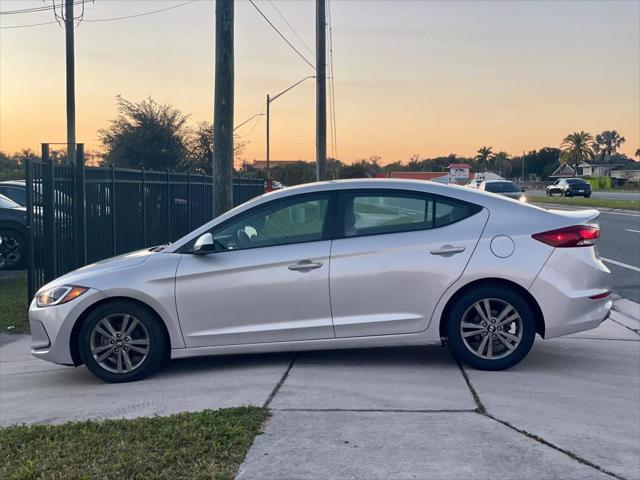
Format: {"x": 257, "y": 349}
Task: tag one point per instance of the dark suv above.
{"x": 570, "y": 187}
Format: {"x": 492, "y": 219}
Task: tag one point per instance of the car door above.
{"x": 394, "y": 255}
{"x": 268, "y": 280}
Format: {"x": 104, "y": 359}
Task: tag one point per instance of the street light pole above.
{"x": 268, "y": 152}
{"x": 269, "y": 100}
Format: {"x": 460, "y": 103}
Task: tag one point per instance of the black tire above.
{"x": 498, "y": 296}
{"x": 142, "y": 365}
{"x": 587, "y": 196}
{"x": 567, "y": 193}
{"x": 548, "y": 193}
{"x": 14, "y": 246}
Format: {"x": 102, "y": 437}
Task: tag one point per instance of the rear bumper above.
{"x": 564, "y": 289}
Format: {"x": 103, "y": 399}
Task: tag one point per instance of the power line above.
{"x": 140, "y": 14}
{"x": 292, "y": 29}
{"x": 28, "y": 25}
{"x": 44, "y": 8}
{"x": 281, "y": 35}
{"x": 106, "y": 19}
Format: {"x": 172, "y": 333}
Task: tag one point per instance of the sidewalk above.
{"x": 570, "y": 410}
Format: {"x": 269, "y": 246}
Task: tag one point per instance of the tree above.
{"x": 577, "y": 147}
{"x": 145, "y": 134}
{"x": 501, "y": 163}
{"x": 485, "y": 155}
{"x": 607, "y": 144}
{"x": 199, "y": 143}
{"x": 637, "y": 154}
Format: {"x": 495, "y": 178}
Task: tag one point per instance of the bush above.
{"x": 599, "y": 183}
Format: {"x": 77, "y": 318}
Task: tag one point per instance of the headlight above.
{"x": 58, "y": 295}
{"x": 523, "y": 198}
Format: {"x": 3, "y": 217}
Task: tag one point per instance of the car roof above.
{"x": 15, "y": 183}
{"x": 459, "y": 192}
{"x": 498, "y": 181}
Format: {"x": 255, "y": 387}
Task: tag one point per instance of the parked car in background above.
{"x": 13, "y": 230}
{"x": 15, "y": 190}
{"x": 474, "y": 183}
{"x": 342, "y": 264}
{"x": 503, "y": 187}
{"x": 570, "y": 187}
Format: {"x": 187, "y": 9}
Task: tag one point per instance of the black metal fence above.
{"x": 78, "y": 215}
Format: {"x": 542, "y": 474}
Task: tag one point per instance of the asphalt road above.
{"x": 620, "y": 243}
{"x": 631, "y": 195}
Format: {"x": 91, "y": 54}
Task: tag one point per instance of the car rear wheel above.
{"x": 14, "y": 246}
{"x": 122, "y": 341}
{"x": 491, "y": 328}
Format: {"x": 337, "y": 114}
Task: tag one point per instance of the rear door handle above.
{"x": 447, "y": 250}
{"x": 305, "y": 265}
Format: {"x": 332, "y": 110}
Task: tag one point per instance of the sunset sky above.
{"x": 414, "y": 77}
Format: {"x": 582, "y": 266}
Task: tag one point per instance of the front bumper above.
{"x": 51, "y": 327}
{"x": 564, "y": 287}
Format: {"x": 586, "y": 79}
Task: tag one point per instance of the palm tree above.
{"x": 637, "y": 154}
{"x": 607, "y": 144}
{"x": 484, "y": 156}
{"x": 577, "y": 147}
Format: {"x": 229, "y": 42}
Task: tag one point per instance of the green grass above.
{"x": 13, "y": 304}
{"x": 588, "y": 202}
{"x": 208, "y": 444}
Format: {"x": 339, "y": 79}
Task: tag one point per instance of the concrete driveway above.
{"x": 570, "y": 410}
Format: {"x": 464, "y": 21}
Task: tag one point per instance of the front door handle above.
{"x": 305, "y": 265}
{"x": 447, "y": 250}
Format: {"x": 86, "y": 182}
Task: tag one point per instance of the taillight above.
{"x": 575, "y": 236}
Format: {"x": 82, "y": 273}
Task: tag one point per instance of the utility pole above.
{"x": 321, "y": 92}
{"x": 222, "y": 167}
{"x": 71, "y": 82}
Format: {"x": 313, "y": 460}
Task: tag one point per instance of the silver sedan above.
{"x": 359, "y": 263}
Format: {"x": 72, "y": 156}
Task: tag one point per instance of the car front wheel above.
{"x": 122, "y": 341}
{"x": 14, "y": 246}
{"x": 491, "y": 328}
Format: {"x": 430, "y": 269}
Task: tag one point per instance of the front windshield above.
{"x": 501, "y": 187}
{"x": 7, "y": 202}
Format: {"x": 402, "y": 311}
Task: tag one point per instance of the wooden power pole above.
{"x": 71, "y": 82}
{"x": 321, "y": 92}
{"x": 223, "y": 110}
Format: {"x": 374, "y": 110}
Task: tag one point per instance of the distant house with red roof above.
{"x": 459, "y": 173}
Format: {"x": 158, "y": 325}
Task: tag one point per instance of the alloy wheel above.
{"x": 119, "y": 343}
{"x": 491, "y": 328}
{"x": 13, "y": 251}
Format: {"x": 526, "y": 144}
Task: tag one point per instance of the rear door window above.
{"x": 389, "y": 211}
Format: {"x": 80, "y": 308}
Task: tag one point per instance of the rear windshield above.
{"x": 501, "y": 187}
{"x": 576, "y": 181}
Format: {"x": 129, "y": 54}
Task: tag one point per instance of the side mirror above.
{"x": 204, "y": 244}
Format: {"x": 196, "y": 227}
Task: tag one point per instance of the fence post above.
{"x": 113, "y": 210}
{"x": 49, "y": 218}
{"x": 144, "y": 207}
{"x": 189, "y": 201}
{"x": 81, "y": 207}
{"x": 169, "y": 203}
{"x": 30, "y": 233}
